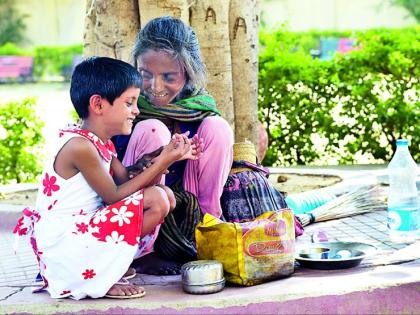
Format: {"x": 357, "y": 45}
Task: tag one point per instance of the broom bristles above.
{"x": 360, "y": 200}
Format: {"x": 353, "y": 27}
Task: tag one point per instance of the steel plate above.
{"x": 358, "y": 252}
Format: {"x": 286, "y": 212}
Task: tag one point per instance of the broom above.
{"x": 357, "y": 201}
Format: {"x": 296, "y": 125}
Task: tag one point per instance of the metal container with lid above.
{"x": 202, "y": 277}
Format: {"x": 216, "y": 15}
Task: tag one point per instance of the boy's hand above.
{"x": 144, "y": 162}
{"x": 179, "y": 146}
{"x": 196, "y": 145}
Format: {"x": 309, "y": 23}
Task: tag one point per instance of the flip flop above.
{"x": 123, "y": 281}
{"x": 130, "y": 273}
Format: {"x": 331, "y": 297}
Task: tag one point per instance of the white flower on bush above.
{"x": 3, "y": 133}
{"x": 411, "y": 96}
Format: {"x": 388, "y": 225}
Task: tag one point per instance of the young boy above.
{"x": 90, "y": 219}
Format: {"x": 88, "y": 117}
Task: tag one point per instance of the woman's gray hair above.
{"x": 179, "y": 40}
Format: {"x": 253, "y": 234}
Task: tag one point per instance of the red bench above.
{"x": 16, "y": 67}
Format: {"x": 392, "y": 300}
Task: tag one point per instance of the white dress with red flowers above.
{"x": 83, "y": 247}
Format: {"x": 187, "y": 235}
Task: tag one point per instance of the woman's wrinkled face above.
{"x": 163, "y": 76}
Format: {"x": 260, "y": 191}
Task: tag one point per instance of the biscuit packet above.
{"x": 251, "y": 251}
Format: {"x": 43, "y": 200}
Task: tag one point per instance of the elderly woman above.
{"x": 174, "y": 100}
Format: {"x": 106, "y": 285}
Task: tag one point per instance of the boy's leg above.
{"x": 156, "y": 207}
{"x": 206, "y": 176}
{"x": 124, "y": 290}
{"x": 170, "y": 195}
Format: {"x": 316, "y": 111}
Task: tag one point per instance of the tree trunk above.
{"x": 210, "y": 20}
{"x": 227, "y": 31}
{"x": 111, "y": 28}
{"x": 243, "y": 25}
{"x": 88, "y": 35}
{"x": 150, "y": 9}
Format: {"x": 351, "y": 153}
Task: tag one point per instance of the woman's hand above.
{"x": 179, "y": 146}
{"x": 196, "y": 145}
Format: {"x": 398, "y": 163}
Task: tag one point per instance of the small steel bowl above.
{"x": 202, "y": 277}
{"x": 315, "y": 253}
{"x": 356, "y": 253}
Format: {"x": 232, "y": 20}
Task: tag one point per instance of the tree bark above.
{"x": 88, "y": 35}
{"x": 210, "y": 20}
{"x": 243, "y": 25}
{"x": 150, "y": 9}
{"x": 227, "y": 31}
{"x": 111, "y": 28}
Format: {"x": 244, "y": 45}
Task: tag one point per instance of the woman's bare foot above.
{"x": 122, "y": 290}
{"x": 151, "y": 264}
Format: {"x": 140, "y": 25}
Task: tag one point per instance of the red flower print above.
{"x": 18, "y": 228}
{"x": 49, "y": 185}
{"x": 52, "y": 205}
{"x": 88, "y": 274}
{"x": 82, "y": 227}
{"x": 81, "y": 212}
{"x": 65, "y": 292}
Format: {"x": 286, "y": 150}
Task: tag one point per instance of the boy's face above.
{"x": 120, "y": 115}
{"x": 163, "y": 76}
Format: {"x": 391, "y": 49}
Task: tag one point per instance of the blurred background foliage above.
{"x": 21, "y": 138}
{"x": 344, "y": 110}
{"x": 49, "y": 61}
{"x": 412, "y": 6}
{"x": 12, "y": 23}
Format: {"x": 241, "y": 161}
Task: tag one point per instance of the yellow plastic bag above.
{"x": 253, "y": 251}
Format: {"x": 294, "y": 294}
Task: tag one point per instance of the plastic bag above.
{"x": 252, "y": 251}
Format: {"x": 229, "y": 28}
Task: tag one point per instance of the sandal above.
{"x": 129, "y": 274}
{"x": 123, "y": 281}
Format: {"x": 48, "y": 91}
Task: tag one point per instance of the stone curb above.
{"x": 10, "y": 213}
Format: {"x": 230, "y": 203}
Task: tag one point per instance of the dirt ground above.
{"x": 288, "y": 183}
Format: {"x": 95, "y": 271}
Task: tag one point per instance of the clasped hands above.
{"x": 179, "y": 148}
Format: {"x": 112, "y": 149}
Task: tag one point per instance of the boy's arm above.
{"x": 119, "y": 172}
{"x": 85, "y": 158}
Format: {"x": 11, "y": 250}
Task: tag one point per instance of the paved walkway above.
{"x": 388, "y": 282}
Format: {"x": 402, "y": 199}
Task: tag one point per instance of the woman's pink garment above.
{"x": 204, "y": 177}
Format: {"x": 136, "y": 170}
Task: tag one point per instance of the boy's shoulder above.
{"x": 83, "y": 142}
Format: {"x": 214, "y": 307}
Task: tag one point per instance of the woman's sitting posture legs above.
{"x": 206, "y": 176}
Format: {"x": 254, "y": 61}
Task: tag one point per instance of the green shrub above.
{"x": 51, "y": 60}
{"x": 20, "y": 138}
{"x": 10, "y": 49}
{"x": 344, "y": 110}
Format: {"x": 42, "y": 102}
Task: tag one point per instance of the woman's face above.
{"x": 163, "y": 76}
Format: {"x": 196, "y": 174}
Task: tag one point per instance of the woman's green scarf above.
{"x": 194, "y": 108}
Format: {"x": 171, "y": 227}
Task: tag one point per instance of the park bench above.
{"x": 329, "y": 46}
{"x": 16, "y": 67}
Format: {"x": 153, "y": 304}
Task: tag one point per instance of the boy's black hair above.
{"x": 103, "y": 76}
